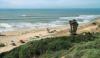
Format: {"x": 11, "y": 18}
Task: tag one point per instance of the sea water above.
{"x": 15, "y": 19}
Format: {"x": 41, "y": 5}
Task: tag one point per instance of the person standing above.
{"x": 73, "y": 26}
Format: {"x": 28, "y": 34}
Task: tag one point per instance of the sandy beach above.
{"x": 10, "y": 37}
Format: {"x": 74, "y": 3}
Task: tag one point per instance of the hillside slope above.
{"x": 57, "y": 47}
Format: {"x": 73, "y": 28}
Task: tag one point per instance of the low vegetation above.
{"x": 89, "y": 49}
{"x": 2, "y": 45}
{"x": 84, "y": 45}
{"x": 99, "y": 26}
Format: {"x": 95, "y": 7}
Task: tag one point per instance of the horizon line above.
{"x": 49, "y": 8}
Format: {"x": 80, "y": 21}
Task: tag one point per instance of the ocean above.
{"x": 15, "y": 19}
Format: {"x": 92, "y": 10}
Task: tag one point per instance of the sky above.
{"x": 49, "y": 4}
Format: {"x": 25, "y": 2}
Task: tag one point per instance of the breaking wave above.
{"x": 60, "y": 22}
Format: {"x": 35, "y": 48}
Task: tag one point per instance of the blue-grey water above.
{"x": 11, "y": 19}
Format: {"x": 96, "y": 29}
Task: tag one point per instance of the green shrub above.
{"x": 99, "y": 26}
{"x": 2, "y": 45}
{"x": 51, "y": 54}
{"x": 89, "y": 49}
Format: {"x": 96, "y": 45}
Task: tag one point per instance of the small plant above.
{"x": 2, "y": 45}
{"x": 94, "y": 23}
{"x": 99, "y": 25}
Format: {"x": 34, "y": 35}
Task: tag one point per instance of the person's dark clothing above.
{"x": 73, "y": 26}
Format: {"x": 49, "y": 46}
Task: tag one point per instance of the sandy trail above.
{"x": 26, "y": 36}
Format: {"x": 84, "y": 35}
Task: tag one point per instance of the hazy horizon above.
{"x": 49, "y": 8}
{"x": 48, "y": 4}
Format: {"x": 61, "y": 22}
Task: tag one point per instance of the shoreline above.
{"x": 14, "y": 27}
{"x": 26, "y": 35}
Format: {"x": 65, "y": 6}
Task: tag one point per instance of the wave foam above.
{"x": 61, "y": 21}
{"x": 81, "y": 17}
{"x": 5, "y": 25}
